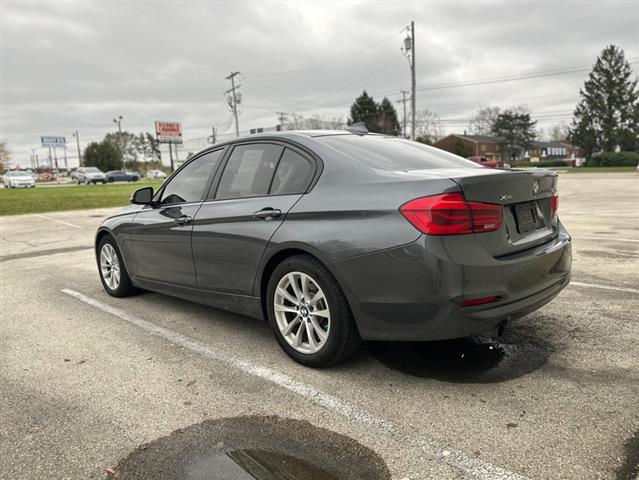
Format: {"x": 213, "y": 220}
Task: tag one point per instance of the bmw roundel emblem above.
{"x": 535, "y": 188}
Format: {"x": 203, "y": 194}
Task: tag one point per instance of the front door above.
{"x": 161, "y": 234}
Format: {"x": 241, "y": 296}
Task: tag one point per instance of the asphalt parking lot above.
{"x": 153, "y": 387}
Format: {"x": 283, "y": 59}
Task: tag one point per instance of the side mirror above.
{"x": 142, "y": 196}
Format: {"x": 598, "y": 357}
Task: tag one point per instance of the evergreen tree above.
{"x": 607, "y": 115}
{"x": 103, "y": 155}
{"x": 388, "y": 122}
{"x": 365, "y": 110}
{"x": 516, "y": 129}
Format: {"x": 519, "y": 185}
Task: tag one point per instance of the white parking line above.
{"x": 433, "y": 449}
{"x": 611, "y": 238}
{"x": 604, "y": 287}
{"x": 46, "y": 217}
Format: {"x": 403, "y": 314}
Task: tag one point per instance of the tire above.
{"x": 110, "y": 180}
{"x": 341, "y": 335}
{"x": 123, "y": 287}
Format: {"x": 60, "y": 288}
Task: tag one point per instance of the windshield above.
{"x": 391, "y": 153}
{"x": 19, "y": 174}
{"x": 92, "y": 170}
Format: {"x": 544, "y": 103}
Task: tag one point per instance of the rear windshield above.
{"x": 391, "y": 153}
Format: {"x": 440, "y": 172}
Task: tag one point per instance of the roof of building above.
{"x": 478, "y": 138}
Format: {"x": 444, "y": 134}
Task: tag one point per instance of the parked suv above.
{"x": 88, "y": 175}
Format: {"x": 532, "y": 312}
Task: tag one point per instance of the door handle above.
{"x": 183, "y": 220}
{"x": 267, "y": 214}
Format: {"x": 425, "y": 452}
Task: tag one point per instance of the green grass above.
{"x": 599, "y": 169}
{"x": 75, "y": 197}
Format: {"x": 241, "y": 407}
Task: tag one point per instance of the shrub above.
{"x": 541, "y": 164}
{"x": 614, "y": 159}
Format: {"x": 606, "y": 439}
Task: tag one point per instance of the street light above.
{"x": 76, "y": 135}
{"x": 118, "y": 120}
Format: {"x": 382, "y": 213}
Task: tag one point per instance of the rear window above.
{"x": 390, "y": 153}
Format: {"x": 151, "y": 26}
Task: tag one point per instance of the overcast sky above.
{"x": 75, "y": 66}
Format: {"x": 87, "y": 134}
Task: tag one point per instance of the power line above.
{"x": 330, "y": 62}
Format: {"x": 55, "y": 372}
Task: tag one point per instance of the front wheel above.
{"x": 309, "y": 314}
{"x": 113, "y": 274}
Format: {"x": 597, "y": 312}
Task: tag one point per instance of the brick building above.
{"x": 472, "y": 146}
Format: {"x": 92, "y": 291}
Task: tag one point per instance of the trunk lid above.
{"x": 526, "y": 197}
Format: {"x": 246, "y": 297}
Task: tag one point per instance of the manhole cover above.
{"x": 253, "y": 448}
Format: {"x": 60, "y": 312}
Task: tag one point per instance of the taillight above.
{"x": 451, "y": 214}
{"x": 478, "y": 301}
{"x": 555, "y": 204}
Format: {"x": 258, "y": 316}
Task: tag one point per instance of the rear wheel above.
{"x": 113, "y": 274}
{"x": 309, "y": 314}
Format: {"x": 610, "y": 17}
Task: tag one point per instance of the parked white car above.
{"x": 17, "y": 179}
{"x": 88, "y": 175}
{"x": 155, "y": 174}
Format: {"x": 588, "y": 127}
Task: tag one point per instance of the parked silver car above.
{"x": 88, "y": 175}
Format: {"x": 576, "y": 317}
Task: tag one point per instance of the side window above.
{"x": 189, "y": 184}
{"x": 249, "y": 171}
{"x": 293, "y": 174}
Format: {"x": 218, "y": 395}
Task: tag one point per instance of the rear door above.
{"x": 260, "y": 183}
{"x": 161, "y": 234}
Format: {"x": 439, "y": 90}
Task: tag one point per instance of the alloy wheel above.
{"x": 110, "y": 266}
{"x": 302, "y": 312}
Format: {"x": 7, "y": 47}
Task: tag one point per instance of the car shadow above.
{"x": 474, "y": 359}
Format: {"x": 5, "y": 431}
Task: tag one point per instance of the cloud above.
{"x": 74, "y": 66}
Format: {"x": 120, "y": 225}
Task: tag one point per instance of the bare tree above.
{"x": 481, "y": 123}
{"x": 296, "y": 121}
{"x": 559, "y": 132}
{"x": 429, "y": 127}
{"x": 4, "y": 156}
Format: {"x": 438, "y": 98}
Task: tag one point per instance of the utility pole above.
{"x": 212, "y": 138}
{"x": 409, "y": 52}
{"x": 403, "y": 102}
{"x": 282, "y": 117}
{"x": 412, "y": 82}
{"x": 234, "y": 99}
{"x": 76, "y": 135}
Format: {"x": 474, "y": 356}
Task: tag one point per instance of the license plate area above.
{"x": 526, "y": 217}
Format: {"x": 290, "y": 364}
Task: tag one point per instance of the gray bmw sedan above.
{"x": 336, "y": 236}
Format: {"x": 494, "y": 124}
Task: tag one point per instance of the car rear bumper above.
{"x": 415, "y": 292}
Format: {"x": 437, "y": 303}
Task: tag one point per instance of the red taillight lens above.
{"x": 478, "y": 301}
{"x": 555, "y": 204}
{"x": 451, "y": 214}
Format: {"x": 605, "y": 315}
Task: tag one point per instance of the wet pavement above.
{"x": 476, "y": 359}
{"x": 83, "y": 390}
{"x": 253, "y": 448}
{"x": 629, "y": 469}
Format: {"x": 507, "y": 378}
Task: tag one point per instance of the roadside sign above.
{"x": 168, "y": 132}
{"x": 53, "y": 141}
